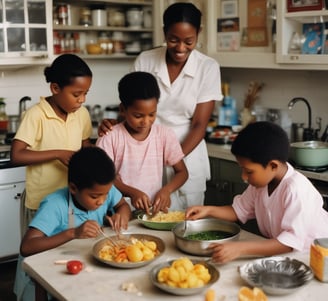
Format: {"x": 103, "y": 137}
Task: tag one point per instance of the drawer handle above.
{"x": 18, "y": 196}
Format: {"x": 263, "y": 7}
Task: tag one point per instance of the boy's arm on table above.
{"x": 264, "y": 247}
{"x": 35, "y": 241}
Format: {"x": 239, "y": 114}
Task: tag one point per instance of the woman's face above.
{"x": 181, "y": 39}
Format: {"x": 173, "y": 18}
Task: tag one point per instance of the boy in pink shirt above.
{"x": 288, "y": 209}
{"x": 141, "y": 149}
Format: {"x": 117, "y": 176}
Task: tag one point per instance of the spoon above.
{"x": 184, "y": 230}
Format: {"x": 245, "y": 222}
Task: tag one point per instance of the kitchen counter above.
{"x": 223, "y": 152}
{"x": 100, "y": 282}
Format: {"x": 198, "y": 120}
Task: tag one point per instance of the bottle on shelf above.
{"x": 228, "y": 114}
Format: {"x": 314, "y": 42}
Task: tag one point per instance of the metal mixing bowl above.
{"x": 200, "y": 247}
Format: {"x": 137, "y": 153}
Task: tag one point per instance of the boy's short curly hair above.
{"x": 137, "y": 85}
{"x": 90, "y": 166}
{"x": 262, "y": 142}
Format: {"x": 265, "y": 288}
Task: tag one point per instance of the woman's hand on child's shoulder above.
{"x": 105, "y": 126}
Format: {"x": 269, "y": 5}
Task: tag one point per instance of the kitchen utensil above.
{"x": 185, "y": 228}
{"x": 113, "y": 242}
{"x": 129, "y": 265}
{"x": 200, "y": 247}
{"x": 276, "y": 275}
{"x": 184, "y": 291}
{"x": 309, "y": 153}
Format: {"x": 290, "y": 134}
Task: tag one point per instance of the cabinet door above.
{"x": 10, "y": 235}
{"x": 290, "y": 24}
{"x": 24, "y": 31}
{"x": 218, "y": 189}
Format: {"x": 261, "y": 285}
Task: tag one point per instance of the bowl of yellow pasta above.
{"x": 161, "y": 220}
{"x": 184, "y": 276}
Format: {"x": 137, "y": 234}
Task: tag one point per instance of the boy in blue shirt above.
{"x": 76, "y": 211}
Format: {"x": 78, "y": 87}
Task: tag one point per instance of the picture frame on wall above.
{"x": 229, "y": 8}
{"x": 304, "y": 5}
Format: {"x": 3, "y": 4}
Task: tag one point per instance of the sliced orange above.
{"x": 255, "y": 294}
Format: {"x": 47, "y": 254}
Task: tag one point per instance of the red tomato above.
{"x": 74, "y": 266}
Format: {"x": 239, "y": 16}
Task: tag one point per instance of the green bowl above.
{"x": 166, "y": 226}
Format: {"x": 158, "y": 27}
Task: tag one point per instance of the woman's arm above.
{"x": 21, "y": 155}
{"x": 198, "y": 126}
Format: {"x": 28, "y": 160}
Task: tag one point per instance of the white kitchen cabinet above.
{"x": 25, "y": 32}
{"x": 265, "y": 57}
{"x": 139, "y": 38}
{"x": 290, "y": 22}
{"x": 12, "y": 184}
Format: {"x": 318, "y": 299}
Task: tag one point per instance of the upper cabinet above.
{"x": 25, "y": 32}
{"x": 302, "y": 35}
{"x": 103, "y": 29}
{"x": 278, "y": 53}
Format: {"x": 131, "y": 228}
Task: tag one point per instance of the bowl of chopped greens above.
{"x": 199, "y": 234}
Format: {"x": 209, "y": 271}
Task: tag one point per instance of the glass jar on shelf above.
{"x": 118, "y": 42}
{"x": 85, "y": 16}
{"x": 105, "y": 43}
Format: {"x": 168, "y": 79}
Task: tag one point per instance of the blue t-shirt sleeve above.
{"x": 113, "y": 198}
{"x": 52, "y": 215}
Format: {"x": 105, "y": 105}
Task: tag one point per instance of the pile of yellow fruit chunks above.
{"x": 139, "y": 250}
{"x": 182, "y": 273}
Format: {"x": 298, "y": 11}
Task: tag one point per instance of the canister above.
{"x": 99, "y": 17}
{"x": 319, "y": 258}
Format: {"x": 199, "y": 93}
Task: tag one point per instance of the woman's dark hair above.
{"x": 182, "y": 12}
{"x": 262, "y": 142}
{"x": 137, "y": 85}
{"x": 89, "y": 166}
{"x": 65, "y": 68}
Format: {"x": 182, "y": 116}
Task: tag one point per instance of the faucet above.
{"x": 22, "y": 105}
{"x": 308, "y": 133}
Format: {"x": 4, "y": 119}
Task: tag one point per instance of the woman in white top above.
{"x": 190, "y": 83}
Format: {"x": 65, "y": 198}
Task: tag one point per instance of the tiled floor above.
{"x": 7, "y": 278}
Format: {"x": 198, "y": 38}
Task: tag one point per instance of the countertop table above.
{"x": 223, "y": 152}
{"x": 100, "y": 282}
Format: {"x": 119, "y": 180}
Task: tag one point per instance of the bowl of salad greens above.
{"x": 194, "y": 237}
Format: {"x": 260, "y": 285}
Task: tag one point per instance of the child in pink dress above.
{"x": 288, "y": 209}
{"x": 141, "y": 149}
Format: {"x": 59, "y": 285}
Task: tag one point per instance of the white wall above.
{"x": 15, "y": 84}
{"x": 280, "y": 87}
